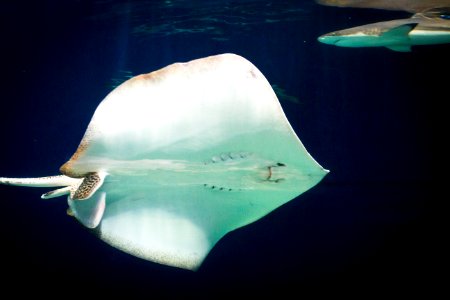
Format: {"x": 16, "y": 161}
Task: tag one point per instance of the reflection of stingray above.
{"x": 191, "y": 17}
{"x": 175, "y": 159}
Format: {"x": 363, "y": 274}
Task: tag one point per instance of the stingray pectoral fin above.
{"x": 151, "y": 227}
{"x": 89, "y": 212}
{"x": 158, "y": 235}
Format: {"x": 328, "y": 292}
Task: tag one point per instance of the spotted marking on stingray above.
{"x": 220, "y": 188}
{"x": 86, "y": 188}
{"x": 227, "y": 156}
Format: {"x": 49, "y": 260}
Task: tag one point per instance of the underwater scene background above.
{"x": 369, "y": 115}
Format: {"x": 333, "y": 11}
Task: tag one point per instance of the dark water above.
{"x": 368, "y": 115}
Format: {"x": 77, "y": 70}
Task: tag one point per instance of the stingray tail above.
{"x": 77, "y": 188}
{"x": 69, "y": 184}
{"x": 89, "y": 211}
{"x": 49, "y": 181}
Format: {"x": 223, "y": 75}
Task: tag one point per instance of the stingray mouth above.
{"x": 273, "y": 173}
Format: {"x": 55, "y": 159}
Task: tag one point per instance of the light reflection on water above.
{"x": 165, "y": 18}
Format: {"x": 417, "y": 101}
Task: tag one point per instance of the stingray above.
{"x": 413, "y": 6}
{"x": 175, "y": 159}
